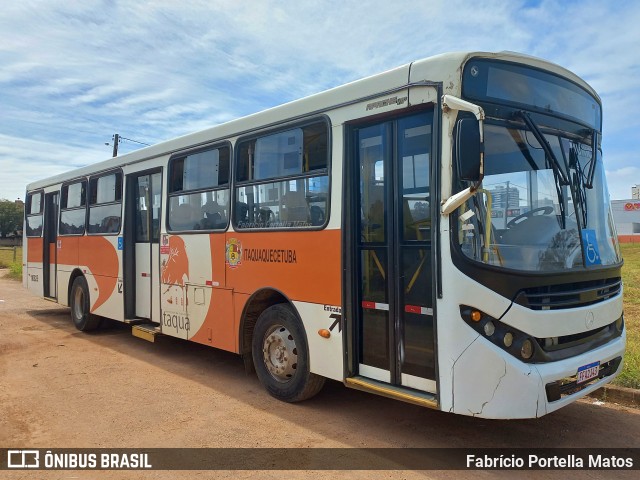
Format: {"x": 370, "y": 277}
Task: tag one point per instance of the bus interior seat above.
{"x": 182, "y": 218}
{"x": 242, "y": 212}
{"x": 294, "y": 207}
{"x": 316, "y": 215}
{"x": 213, "y": 215}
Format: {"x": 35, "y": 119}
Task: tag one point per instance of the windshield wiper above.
{"x": 594, "y": 159}
{"x": 577, "y": 183}
{"x": 559, "y": 175}
{"x": 555, "y": 164}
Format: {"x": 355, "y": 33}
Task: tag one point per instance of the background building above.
{"x": 502, "y": 199}
{"x": 626, "y": 215}
{"x": 505, "y": 204}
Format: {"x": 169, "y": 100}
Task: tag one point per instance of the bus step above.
{"x": 135, "y": 321}
{"x": 147, "y": 332}
{"x": 424, "y": 399}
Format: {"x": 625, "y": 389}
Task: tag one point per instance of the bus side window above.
{"x": 105, "y": 204}
{"x": 34, "y": 214}
{"x": 283, "y": 180}
{"x": 199, "y": 190}
{"x": 73, "y": 208}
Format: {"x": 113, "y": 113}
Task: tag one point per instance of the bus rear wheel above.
{"x": 80, "y": 306}
{"x": 281, "y": 355}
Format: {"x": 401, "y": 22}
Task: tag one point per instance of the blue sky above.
{"x": 73, "y": 73}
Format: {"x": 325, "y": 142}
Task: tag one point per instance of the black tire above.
{"x": 281, "y": 355}
{"x": 80, "y": 304}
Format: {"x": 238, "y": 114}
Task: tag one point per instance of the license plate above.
{"x": 587, "y": 372}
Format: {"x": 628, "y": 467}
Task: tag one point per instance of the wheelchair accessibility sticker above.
{"x": 590, "y": 247}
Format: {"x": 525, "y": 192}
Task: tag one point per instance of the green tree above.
{"x": 11, "y": 214}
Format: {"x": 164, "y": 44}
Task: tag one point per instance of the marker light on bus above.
{"x": 324, "y": 333}
{"x": 508, "y": 339}
{"x": 517, "y": 343}
{"x": 489, "y": 329}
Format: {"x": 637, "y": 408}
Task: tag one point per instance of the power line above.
{"x": 134, "y": 141}
{"x": 118, "y": 138}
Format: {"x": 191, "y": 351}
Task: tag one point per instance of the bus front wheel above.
{"x": 80, "y": 306}
{"x": 281, "y": 355}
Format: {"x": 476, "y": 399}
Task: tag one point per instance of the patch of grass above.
{"x": 630, "y": 376}
{"x": 15, "y": 271}
{"x": 6, "y": 256}
{"x": 6, "y": 261}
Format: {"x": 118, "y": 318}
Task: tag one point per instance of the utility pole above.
{"x": 116, "y": 140}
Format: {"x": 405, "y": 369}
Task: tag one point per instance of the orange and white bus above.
{"x": 439, "y": 233}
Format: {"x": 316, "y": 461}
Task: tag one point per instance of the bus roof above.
{"x": 444, "y": 68}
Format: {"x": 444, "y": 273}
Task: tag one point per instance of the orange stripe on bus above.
{"x": 101, "y": 257}
{"x": 34, "y": 250}
{"x": 304, "y": 266}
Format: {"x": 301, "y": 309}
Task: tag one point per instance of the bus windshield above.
{"x": 534, "y": 214}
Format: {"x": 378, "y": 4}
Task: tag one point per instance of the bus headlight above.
{"x": 527, "y": 349}
{"x": 516, "y": 343}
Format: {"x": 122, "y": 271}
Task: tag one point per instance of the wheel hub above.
{"x": 280, "y": 353}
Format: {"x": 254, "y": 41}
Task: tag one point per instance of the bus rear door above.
{"x": 141, "y": 245}
{"x": 49, "y": 262}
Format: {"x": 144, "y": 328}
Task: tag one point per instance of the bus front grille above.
{"x": 569, "y": 295}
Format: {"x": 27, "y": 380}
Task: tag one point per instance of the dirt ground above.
{"x": 60, "y": 388}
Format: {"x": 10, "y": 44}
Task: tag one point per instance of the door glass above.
{"x": 417, "y": 352}
{"x": 374, "y": 153}
{"x": 155, "y": 196}
{"x": 414, "y": 139}
{"x": 374, "y": 345}
{"x": 373, "y": 146}
{"x": 417, "y": 314}
{"x": 142, "y": 208}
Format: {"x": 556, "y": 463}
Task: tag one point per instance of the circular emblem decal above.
{"x": 589, "y": 320}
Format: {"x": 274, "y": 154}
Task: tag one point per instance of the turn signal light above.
{"x": 324, "y": 333}
{"x": 476, "y": 316}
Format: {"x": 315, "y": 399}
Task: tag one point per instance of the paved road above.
{"x": 63, "y": 388}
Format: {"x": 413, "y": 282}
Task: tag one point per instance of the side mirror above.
{"x": 469, "y": 150}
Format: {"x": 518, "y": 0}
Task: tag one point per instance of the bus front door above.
{"x": 393, "y": 299}
{"x": 141, "y": 239}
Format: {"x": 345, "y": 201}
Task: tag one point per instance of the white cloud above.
{"x": 621, "y": 180}
{"x": 76, "y": 72}
{"x": 23, "y": 161}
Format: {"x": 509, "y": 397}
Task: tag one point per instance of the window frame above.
{"x": 115, "y": 171}
{"x": 27, "y": 208}
{"x": 170, "y": 194}
{"x": 61, "y": 210}
{"x": 324, "y": 172}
